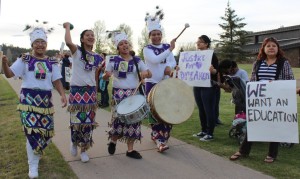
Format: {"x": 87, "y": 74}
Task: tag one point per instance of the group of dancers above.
{"x": 40, "y": 74}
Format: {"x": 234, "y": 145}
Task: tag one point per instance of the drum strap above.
{"x": 138, "y": 72}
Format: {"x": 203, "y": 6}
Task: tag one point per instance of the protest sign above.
{"x": 271, "y": 111}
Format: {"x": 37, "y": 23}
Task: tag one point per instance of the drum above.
{"x": 171, "y": 101}
{"x": 132, "y": 109}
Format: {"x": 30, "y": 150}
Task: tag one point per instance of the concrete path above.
{"x": 181, "y": 161}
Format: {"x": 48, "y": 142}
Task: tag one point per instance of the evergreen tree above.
{"x": 233, "y": 37}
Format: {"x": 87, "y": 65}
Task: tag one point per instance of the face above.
{"x": 39, "y": 47}
{"x": 271, "y": 49}
{"x": 88, "y": 38}
{"x": 155, "y": 37}
{"x": 201, "y": 45}
{"x": 124, "y": 47}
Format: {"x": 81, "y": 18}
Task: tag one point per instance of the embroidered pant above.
{"x": 82, "y": 107}
{"x": 124, "y": 131}
{"x": 160, "y": 130}
{"x": 36, "y": 114}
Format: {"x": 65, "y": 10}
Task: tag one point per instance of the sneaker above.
{"x": 73, "y": 149}
{"x": 219, "y": 122}
{"x": 111, "y": 148}
{"x": 207, "y": 138}
{"x": 133, "y": 154}
{"x": 84, "y": 157}
{"x": 162, "y": 148}
{"x": 33, "y": 173}
{"x": 200, "y": 134}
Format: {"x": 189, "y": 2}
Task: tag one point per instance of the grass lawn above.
{"x": 13, "y": 160}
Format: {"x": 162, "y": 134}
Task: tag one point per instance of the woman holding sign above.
{"x": 206, "y": 97}
{"x": 270, "y": 65}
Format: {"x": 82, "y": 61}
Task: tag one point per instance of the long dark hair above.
{"x": 82, "y": 45}
{"x": 262, "y": 55}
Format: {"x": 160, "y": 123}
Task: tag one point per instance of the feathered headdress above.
{"x": 38, "y": 30}
{"x": 153, "y": 21}
{"x": 117, "y": 36}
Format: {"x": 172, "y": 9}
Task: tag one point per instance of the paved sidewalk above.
{"x": 181, "y": 161}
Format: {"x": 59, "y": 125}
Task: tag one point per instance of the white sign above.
{"x": 194, "y": 67}
{"x": 271, "y": 111}
{"x": 68, "y": 74}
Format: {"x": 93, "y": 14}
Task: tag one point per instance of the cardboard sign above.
{"x": 194, "y": 67}
{"x": 271, "y": 111}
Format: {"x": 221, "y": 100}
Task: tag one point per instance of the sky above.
{"x": 203, "y": 16}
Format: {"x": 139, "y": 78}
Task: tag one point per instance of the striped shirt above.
{"x": 267, "y": 72}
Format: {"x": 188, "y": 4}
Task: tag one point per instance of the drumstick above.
{"x": 185, "y": 27}
{"x": 137, "y": 88}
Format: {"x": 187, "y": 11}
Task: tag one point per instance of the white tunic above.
{"x": 154, "y": 64}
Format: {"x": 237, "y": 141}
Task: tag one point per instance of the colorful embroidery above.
{"x": 158, "y": 51}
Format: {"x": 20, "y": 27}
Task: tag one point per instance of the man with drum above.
{"x": 125, "y": 83}
{"x": 159, "y": 59}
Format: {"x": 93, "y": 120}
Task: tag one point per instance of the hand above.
{"x": 212, "y": 70}
{"x": 144, "y": 74}
{"x": 66, "y": 25}
{"x": 64, "y": 101}
{"x": 172, "y": 44}
{"x": 4, "y": 60}
{"x": 168, "y": 71}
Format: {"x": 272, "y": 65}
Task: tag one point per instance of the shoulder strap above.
{"x": 257, "y": 65}
{"x": 137, "y": 68}
{"x": 141, "y": 90}
{"x": 280, "y": 64}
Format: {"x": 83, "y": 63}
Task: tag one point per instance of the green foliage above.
{"x": 233, "y": 36}
{"x": 100, "y": 40}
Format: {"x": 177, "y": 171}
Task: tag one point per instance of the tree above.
{"x": 233, "y": 37}
{"x": 143, "y": 41}
{"x": 99, "y": 30}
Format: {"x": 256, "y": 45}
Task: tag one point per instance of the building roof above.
{"x": 293, "y": 41}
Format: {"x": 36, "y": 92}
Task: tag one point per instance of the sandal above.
{"x": 269, "y": 159}
{"x": 235, "y": 156}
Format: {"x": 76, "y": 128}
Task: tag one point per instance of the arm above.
{"x": 152, "y": 58}
{"x": 253, "y": 73}
{"x": 61, "y": 91}
{"x": 68, "y": 38}
{"x": 214, "y": 65}
{"x": 7, "y": 71}
{"x": 287, "y": 71}
{"x": 145, "y": 72}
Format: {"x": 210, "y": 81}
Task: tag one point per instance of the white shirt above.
{"x": 20, "y": 69}
{"x": 131, "y": 81}
{"x": 154, "y": 64}
{"x": 242, "y": 74}
{"x": 80, "y": 76}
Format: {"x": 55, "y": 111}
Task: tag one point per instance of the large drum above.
{"x": 132, "y": 109}
{"x": 171, "y": 101}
